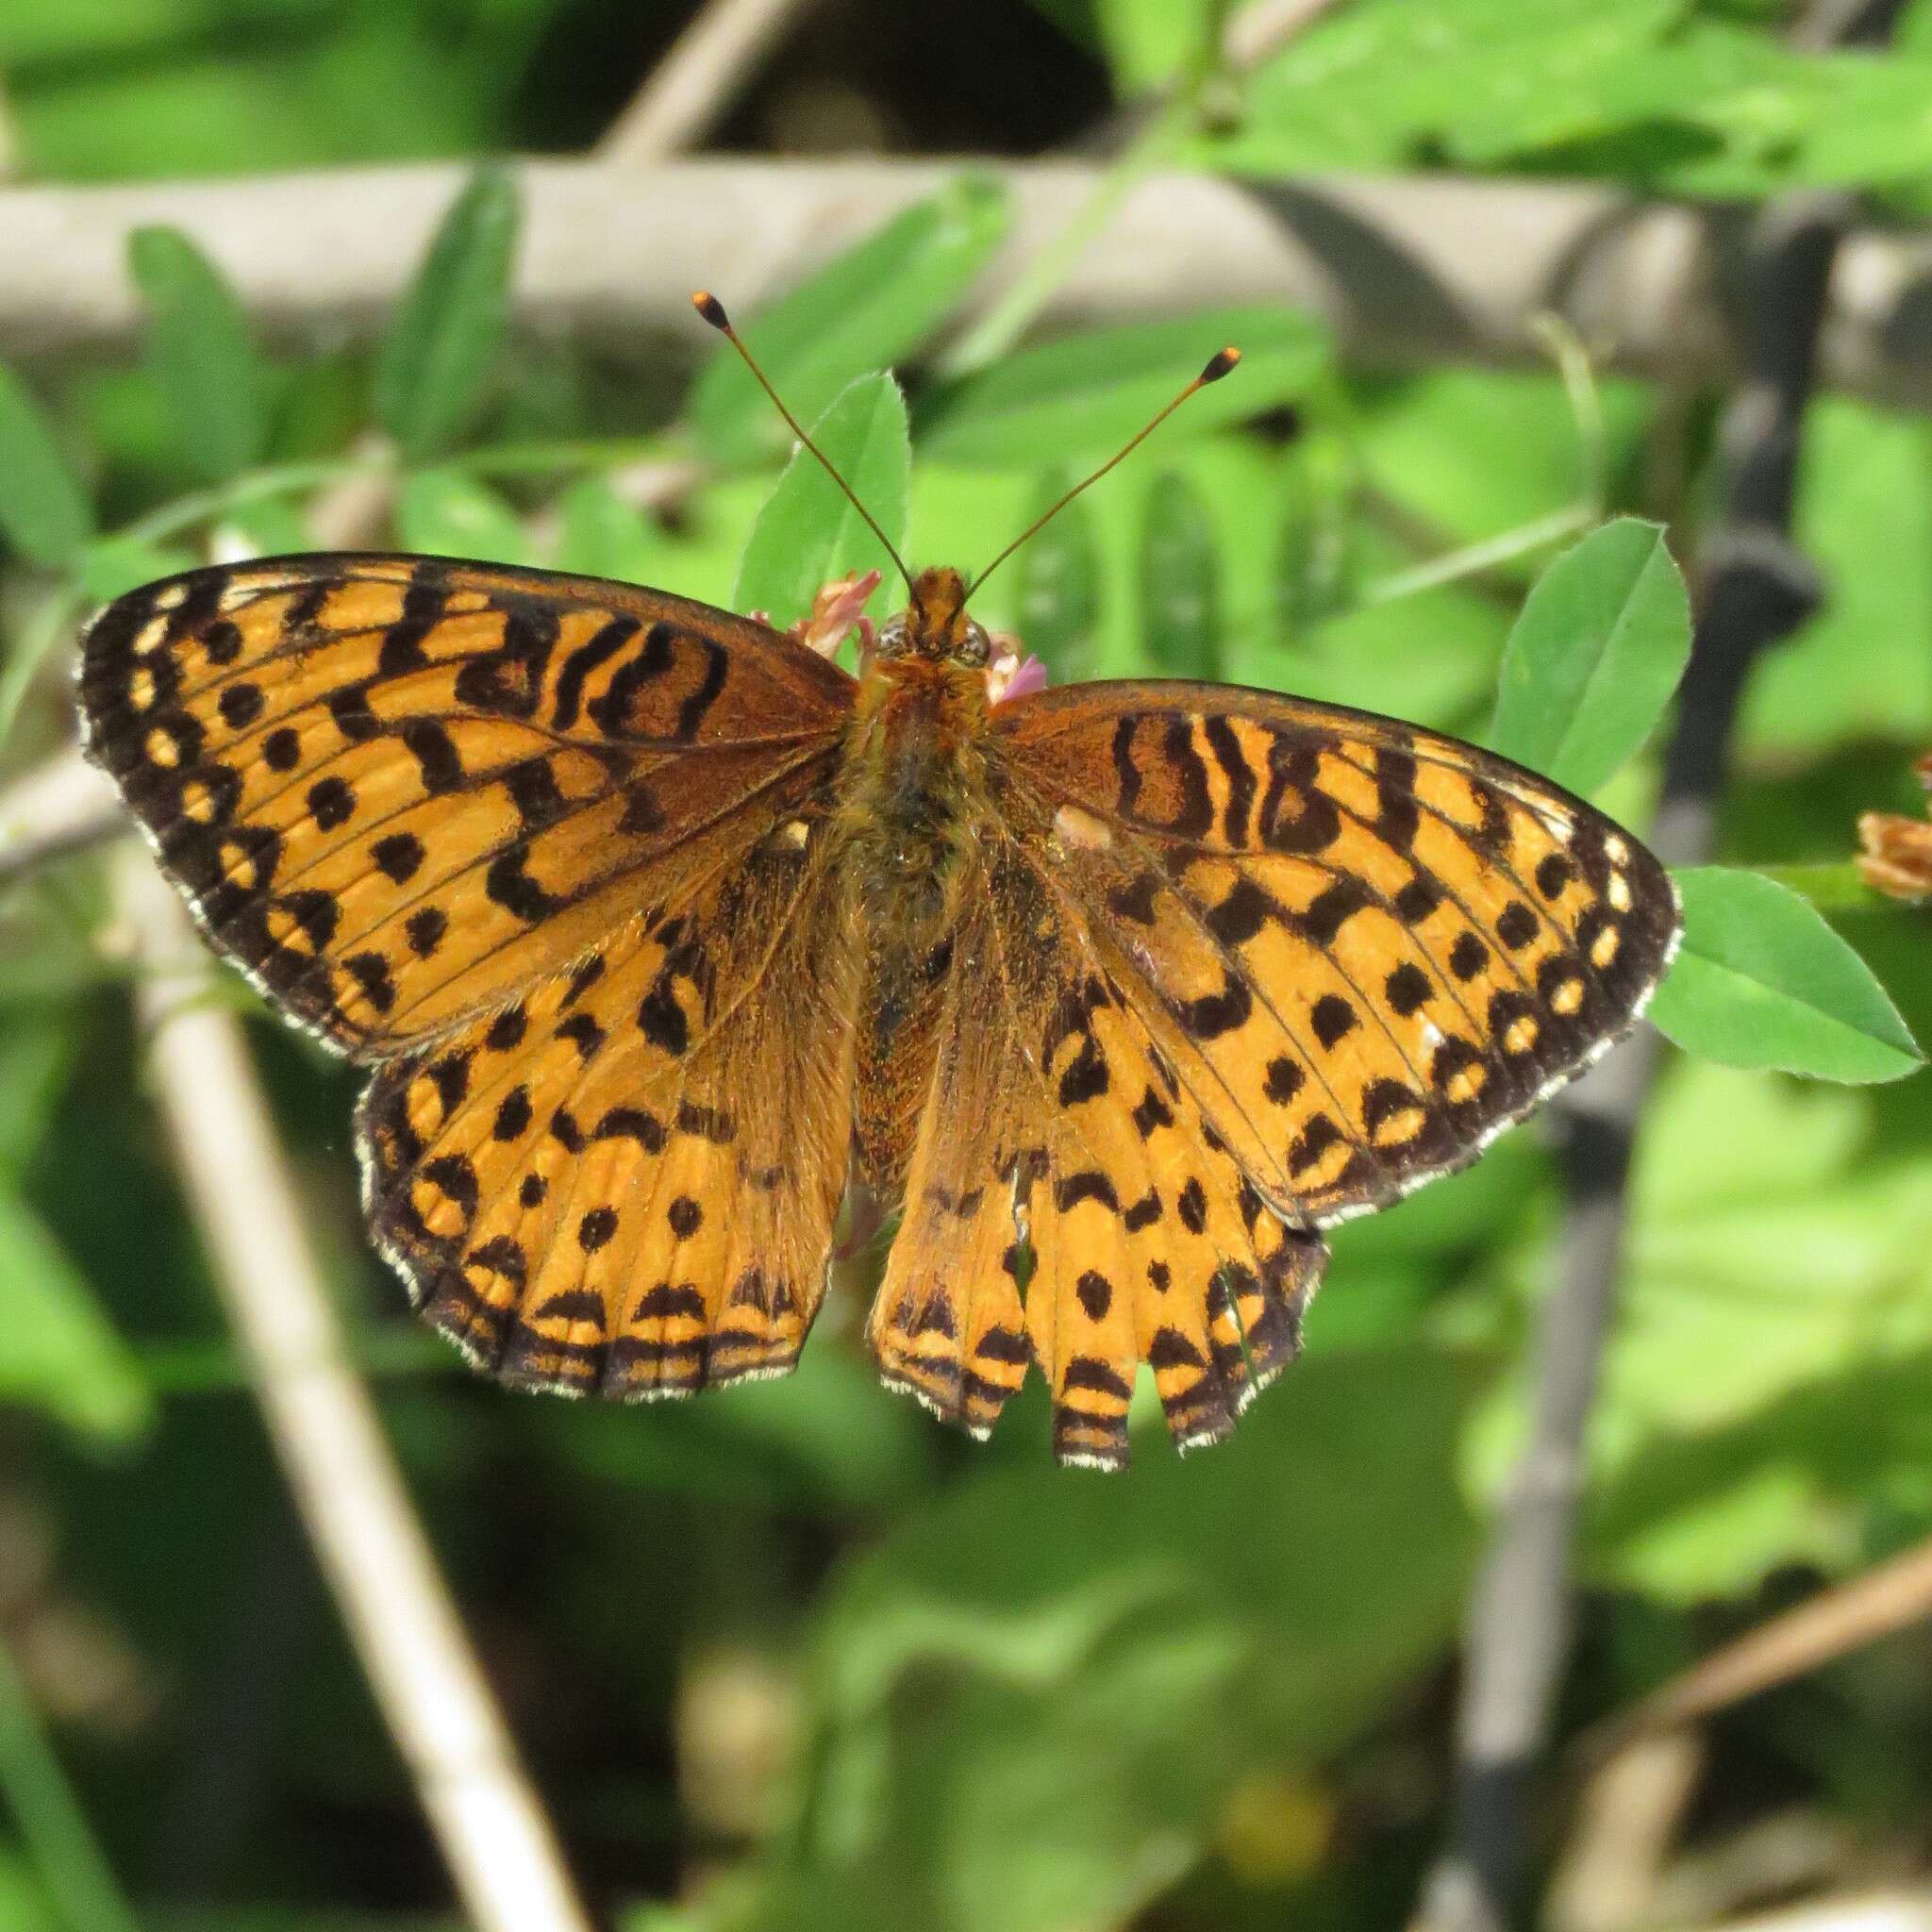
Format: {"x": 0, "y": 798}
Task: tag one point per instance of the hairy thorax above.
{"x": 913, "y": 789}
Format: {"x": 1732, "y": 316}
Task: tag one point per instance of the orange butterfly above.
{"x": 654, "y": 924}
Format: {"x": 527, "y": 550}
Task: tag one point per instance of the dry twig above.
{"x": 1881, "y": 1602}
{"x": 692, "y": 85}
{"x": 1412, "y": 272}
{"x": 1755, "y": 588}
{"x": 58, "y": 808}
{"x": 492, "y": 1831}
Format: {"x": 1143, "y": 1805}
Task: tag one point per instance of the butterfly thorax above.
{"x": 913, "y": 789}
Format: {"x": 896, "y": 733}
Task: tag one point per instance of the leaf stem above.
{"x": 1473, "y": 560}
{"x": 1834, "y": 885}
{"x": 1006, "y": 320}
{"x": 56, "y": 615}
{"x": 68, "y": 1861}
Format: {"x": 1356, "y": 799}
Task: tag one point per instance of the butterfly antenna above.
{"x": 1218, "y": 366}
{"x": 708, "y": 306}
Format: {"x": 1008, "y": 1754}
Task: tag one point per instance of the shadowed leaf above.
{"x": 444, "y": 339}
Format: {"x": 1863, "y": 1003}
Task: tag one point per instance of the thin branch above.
{"x": 493, "y": 1834}
{"x": 1260, "y": 30}
{"x": 1754, "y": 590}
{"x": 694, "y": 83}
{"x": 61, "y": 806}
{"x": 1881, "y": 1602}
{"x": 1410, "y": 271}
{"x": 1628, "y": 1818}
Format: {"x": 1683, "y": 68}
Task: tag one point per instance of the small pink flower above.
{"x": 837, "y": 612}
{"x": 1012, "y": 672}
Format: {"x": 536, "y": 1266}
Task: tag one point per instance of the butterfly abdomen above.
{"x": 912, "y": 790}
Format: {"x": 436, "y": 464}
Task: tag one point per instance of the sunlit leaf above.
{"x": 111, "y": 566}
{"x": 44, "y": 512}
{"x": 1091, "y": 392}
{"x": 602, "y": 535}
{"x": 1594, "y": 657}
{"x": 807, "y": 532}
{"x": 444, "y": 514}
{"x": 1058, "y": 588}
{"x": 864, "y": 309}
{"x": 202, "y": 351}
{"x": 1180, "y": 581}
{"x": 1763, "y": 981}
{"x": 1151, "y": 41}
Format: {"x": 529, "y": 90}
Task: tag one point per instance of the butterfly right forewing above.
{"x": 1365, "y": 948}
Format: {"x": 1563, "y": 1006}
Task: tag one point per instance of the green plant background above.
{"x": 967, "y": 1689}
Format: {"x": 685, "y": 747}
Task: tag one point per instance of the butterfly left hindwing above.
{"x": 624, "y": 1182}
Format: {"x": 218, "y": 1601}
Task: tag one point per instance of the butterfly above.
{"x": 656, "y": 927}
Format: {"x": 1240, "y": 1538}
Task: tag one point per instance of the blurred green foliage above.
{"x": 966, "y": 1688}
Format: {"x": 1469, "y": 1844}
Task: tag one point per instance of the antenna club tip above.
{"x": 708, "y": 306}
{"x": 1221, "y": 365}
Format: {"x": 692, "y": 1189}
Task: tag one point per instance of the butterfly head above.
{"x": 934, "y": 625}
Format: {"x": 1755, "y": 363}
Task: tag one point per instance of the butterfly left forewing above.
{"x": 1364, "y": 947}
{"x": 395, "y": 787}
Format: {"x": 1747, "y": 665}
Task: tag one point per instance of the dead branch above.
{"x": 493, "y": 1830}
{"x": 1412, "y": 272}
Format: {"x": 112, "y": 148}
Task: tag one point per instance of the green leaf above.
{"x": 1058, "y": 589}
{"x": 270, "y": 526}
{"x": 1767, "y": 1391}
{"x": 601, "y": 535}
{"x": 202, "y": 352}
{"x": 1180, "y": 581}
{"x": 24, "y": 1903}
{"x": 111, "y": 566}
{"x": 1317, "y": 560}
{"x": 1862, "y": 666}
{"x": 863, "y": 310}
{"x": 1428, "y": 442}
{"x": 1600, "y": 647}
{"x": 35, "y": 1060}
{"x": 1072, "y": 1674}
{"x": 44, "y": 512}
{"x": 444, "y": 339}
{"x": 807, "y": 533}
{"x": 1372, "y": 83}
{"x": 1147, "y": 42}
{"x": 56, "y": 1349}
{"x": 1086, "y": 395}
{"x": 1763, "y": 981}
{"x": 445, "y": 513}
